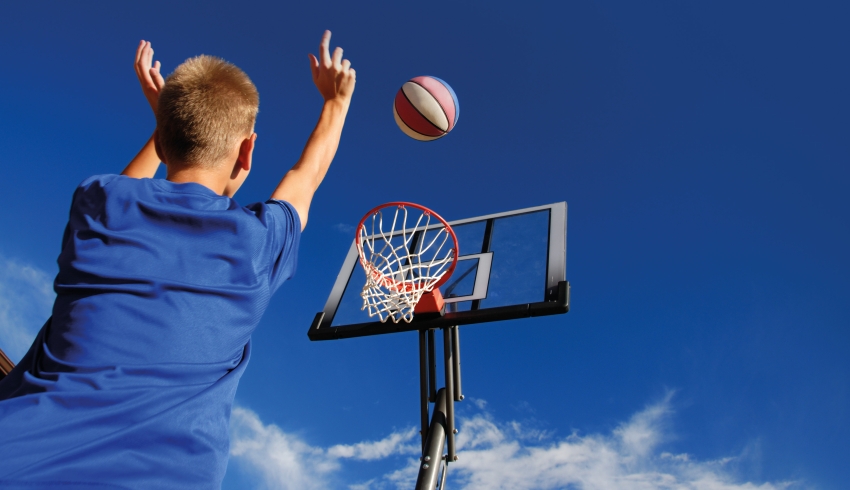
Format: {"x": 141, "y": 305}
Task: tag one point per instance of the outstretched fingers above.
{"x": 156, "y": 76}
{"x": 144, "y": 55}
{"x": 324, "y": 51}
{"x": 332, "y": 74}
{"x": 137, "y": 63}
{"x": 148, "y": 73}
{"x": 314, "y": 67}
{"x": 337, "y": 59}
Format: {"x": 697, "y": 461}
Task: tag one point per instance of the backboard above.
{"x": 510, "y": 265}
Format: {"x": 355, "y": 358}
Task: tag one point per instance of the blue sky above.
{"x": 703, "y": 151}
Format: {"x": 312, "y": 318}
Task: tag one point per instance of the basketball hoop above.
{"x": 406, "y": 264}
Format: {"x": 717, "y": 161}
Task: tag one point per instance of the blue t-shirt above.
{"x": 131, "y": 382}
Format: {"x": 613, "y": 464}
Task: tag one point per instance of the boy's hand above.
{"x": 334, "y": 77}
{"x": 335, "y": 80}
{"x": 149, "y": 76}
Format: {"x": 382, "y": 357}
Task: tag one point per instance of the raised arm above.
{"x": 335, "y": 80}
{"x": 144, "y": 165}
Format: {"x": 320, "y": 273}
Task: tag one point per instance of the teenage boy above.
{"x": 160, "y": 285}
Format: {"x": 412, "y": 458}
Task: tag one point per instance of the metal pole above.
{"x": 450, "y": 400}
{"x": 443, "y": 477}
{"x": 458, "y": 395}
{"x": 432, "y": 373}
{"x": 433, "y": 454}
{"x": 423, "y": 385}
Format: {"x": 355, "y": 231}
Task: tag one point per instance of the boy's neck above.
{"x": 209, "y": 178}
{"x": 225, "y": 178}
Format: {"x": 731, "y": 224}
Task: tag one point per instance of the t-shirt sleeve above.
{"x": 285, "y": 227}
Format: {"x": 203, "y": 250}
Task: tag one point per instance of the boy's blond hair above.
{"x": 205, "y": 109}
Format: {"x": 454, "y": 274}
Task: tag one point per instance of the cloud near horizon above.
{"x": 497, "y": 455}
{"x": 26, "y": 299}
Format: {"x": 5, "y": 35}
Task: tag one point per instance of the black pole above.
{"x": 458, "y": 394}
{"x": 450, "y": 400}
{"x": 432, "y": 372}
{"x": 423, "y": 385}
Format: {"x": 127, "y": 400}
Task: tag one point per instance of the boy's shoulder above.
{"x": 100, "y": 180}
{"x": 127, "y": 191}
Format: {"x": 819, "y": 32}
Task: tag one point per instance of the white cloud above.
{"x": 395, "y": 443}
{"x": 507, "y": 456}
{"x": 285, "y": 461}
{"x": 344, "y": 228}
{"x": 502, "y": 455}
{"x": 26, "y": 299}
{"x": 281, "y": 460}
{"x": 478, "y": 402}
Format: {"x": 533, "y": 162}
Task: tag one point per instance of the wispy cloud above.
{"x": 344, "y": 228}
{"x": 506, "y": 456}
{"x": 502, "y": 455}
{"x": 395, "y": 443}
{"x": 26, "y": 298}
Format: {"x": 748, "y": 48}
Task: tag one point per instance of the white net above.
{"x": 403, "y": 262}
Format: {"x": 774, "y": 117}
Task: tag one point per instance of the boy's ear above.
{"x": 246, "y": 151}
{"x": 156, "y": 145}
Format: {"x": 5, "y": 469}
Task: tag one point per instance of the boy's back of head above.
{"x": 207, "y": 107}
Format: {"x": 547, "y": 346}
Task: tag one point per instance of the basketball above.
{"x": 426, "y": 108}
